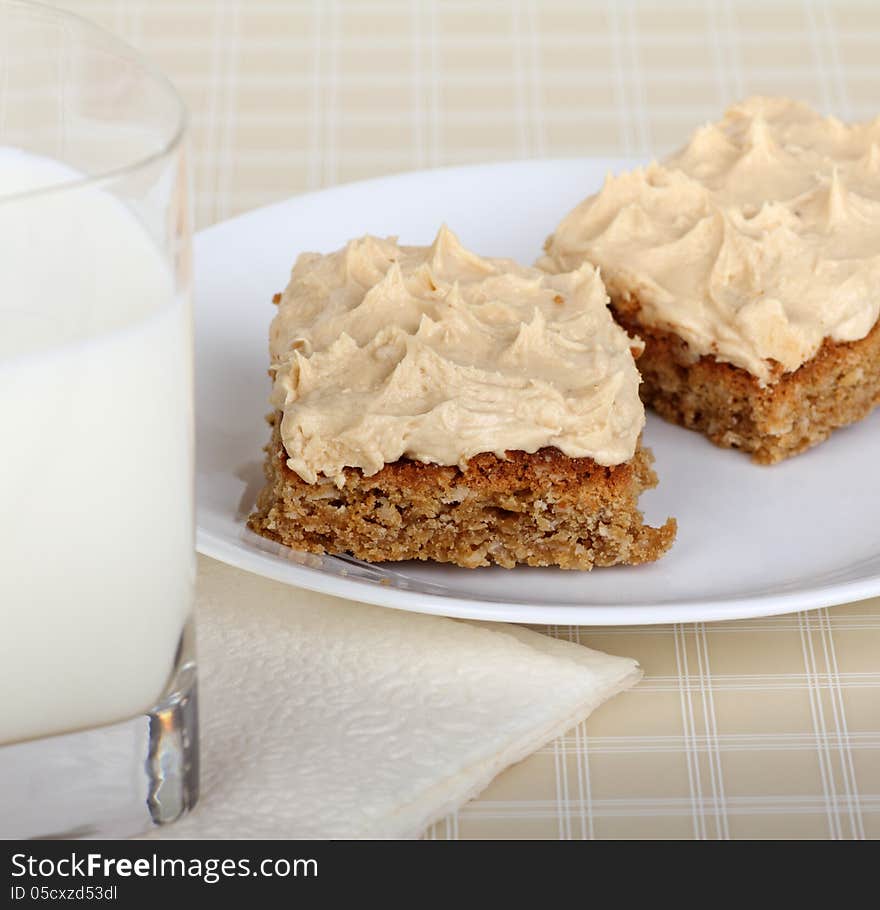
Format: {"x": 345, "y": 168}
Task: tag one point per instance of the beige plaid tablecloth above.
{"x": 761, "y": 728}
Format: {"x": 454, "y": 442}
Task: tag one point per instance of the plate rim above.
{"x": 458, "y": 607}
{"x": 565, "y": 160}
{"x": 235, "y": 554}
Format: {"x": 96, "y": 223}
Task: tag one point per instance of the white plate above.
{"x": 752, "y": 541}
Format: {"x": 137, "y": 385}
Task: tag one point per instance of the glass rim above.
{"x": 168, "y": 145}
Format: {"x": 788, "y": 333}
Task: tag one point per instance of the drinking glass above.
{"x": 98, "y": 706}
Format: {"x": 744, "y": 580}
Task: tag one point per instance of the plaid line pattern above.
{"x": 759, "y": 728}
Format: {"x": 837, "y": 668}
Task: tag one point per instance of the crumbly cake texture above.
{"x": 838, "y": 386}
{"x": 541, "y": 509}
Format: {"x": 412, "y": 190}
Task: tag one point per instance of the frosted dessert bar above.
{"x": 749, "y": 263}
{"x": 434, "y": 404}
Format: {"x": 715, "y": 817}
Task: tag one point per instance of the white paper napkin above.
{"x": 323, "y": 718}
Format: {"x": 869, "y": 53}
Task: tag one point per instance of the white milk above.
{"x": 96, "y": 524}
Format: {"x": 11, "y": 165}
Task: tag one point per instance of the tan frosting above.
{"x": 382, "y": 351}
{"x": 755, "y": 242}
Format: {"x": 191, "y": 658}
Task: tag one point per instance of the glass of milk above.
{"x": 98, "y": 713}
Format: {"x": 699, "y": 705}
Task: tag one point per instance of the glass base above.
{"x": 112, "y": 781}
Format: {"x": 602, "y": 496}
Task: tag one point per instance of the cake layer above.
{"x": 754, "y": 243}
{"x": 382, "y": 352}
{"x": 839, "y": 385}
{"x": 539, "y": 509}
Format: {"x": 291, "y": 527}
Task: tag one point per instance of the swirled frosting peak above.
{"x": 754, "y": 243}
{"x": 382, "y": 351}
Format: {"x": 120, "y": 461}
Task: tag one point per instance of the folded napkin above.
{"x": 323, "y": 718}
